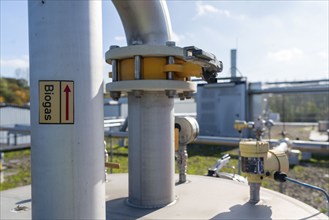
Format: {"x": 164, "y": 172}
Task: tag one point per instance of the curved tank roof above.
{"x": 201, "y": 198}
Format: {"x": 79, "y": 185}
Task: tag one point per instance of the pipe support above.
{"x": 151, "y": 150}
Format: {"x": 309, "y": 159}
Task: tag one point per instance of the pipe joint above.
{"x": 167, "y": 62}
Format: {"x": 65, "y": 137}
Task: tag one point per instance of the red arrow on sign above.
{"x": 67, "y": 91}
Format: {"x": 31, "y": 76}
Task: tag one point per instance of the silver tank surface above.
{"x": 200, "y": 198}
{"x": 205, "y": 197}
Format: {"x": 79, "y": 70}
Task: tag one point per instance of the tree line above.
{"x": 301, "y": 107}
{"x": 14, "y": 91}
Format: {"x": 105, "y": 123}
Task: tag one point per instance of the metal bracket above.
{"x": 211, "y": 66}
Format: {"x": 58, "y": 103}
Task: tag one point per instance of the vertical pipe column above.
{"x": 67, "y": 159}
{"x": 151, "y": 150}
{"x": 254, "y": 189}
{"x": 233, "y": 63}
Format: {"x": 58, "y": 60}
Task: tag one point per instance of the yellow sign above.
{"x": 56, "y": 102}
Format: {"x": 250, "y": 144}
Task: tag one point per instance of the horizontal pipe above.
{"x": 109, "y": 121}
{"x": 299, "y": 82}
{"x": 11, "y": 148}
{"x": 305, "y": 146}
{"x": 206, "y": 140}
{"x": 310, "y": 146}
{"x": 116, "y": 134}
{"x": 210, "y": 140}
{"x": 292, "y": 89}
{"x": 16, "y": 130}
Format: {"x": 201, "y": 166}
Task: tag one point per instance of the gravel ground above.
{"x": 293, "y": 132}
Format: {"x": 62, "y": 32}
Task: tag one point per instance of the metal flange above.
{"x": 151, "y": 85}
{"x": 119, "y": 53}
{"x": 133, "y": 62}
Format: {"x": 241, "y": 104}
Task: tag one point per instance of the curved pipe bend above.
{"x": 145, "y": 21}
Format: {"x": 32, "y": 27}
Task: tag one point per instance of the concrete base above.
{"x": 200, "y": 198}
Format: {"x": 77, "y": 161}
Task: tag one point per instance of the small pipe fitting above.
{"x": 254, "y": 193}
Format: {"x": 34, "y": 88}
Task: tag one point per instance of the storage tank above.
{"x": 200, "y": 197}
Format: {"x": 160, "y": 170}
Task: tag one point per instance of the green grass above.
{"x": 21, "y": 172}
{"x": 200, "y": 158}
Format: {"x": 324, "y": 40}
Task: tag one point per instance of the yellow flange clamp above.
{"x": 157, "y": 67}
{"x": 161, "y": 62}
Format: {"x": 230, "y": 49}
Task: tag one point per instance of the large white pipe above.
{"x": 144, "y": 22}
{"x": 65, "y": 41}
{"x": 151, "y": 118}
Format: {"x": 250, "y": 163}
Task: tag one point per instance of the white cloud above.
{"x": 22, "y": 62}
{"x": 177, "y": 37}
{"x": 120, "y": 38}
{"x": 202, "y": 8}
{"x": 286, "y": 54}
{"x": 323, "y": 55}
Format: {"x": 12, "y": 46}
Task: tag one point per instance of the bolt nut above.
{"x": 115, "y": 95}
{"x": 188, "y": 94}
{"x": 170, "y": 43}
{"x": 170, "y": 93}
{"x": 138, "y": 93}
{"x": 181, "y": 96}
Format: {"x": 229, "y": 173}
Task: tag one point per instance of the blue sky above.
{"x": 276, "y": 40}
